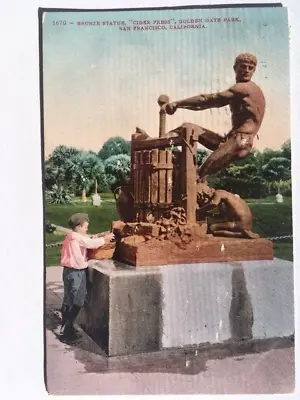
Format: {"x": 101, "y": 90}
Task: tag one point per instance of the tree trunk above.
{"x": 83, "y": 196}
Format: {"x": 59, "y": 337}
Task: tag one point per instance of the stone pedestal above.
{"x": 132, "y": 310}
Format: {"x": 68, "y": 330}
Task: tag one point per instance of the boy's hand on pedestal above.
{"x": 109, "y": 237}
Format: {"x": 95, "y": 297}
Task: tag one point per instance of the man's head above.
{"x": 79, "y": 223}
{"x": 204, "y": 194}
{"x": 244, "y": 67}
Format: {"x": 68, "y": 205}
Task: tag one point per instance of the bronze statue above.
{"x": 235, "y": 211}
{"x": 140, "y": 134}
{"x": 247, "y": 105}
{"x": 164, "y": 208}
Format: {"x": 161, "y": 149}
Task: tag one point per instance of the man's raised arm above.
{"x": 202, "y": 101}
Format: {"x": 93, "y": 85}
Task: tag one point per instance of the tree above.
{"x": 201, "y": 156}
{"x": 86, "y": 168}
{"x": 277, "y": 168}
{"x": 264, "y": 157}
{"x": 74, "y": 170}
{"x": 53, "y": 174}
{"x": 114, "y": 146}
{"x": 286, "y": 150}
{"x": 250, "y": 159}
{"x": 61, "y": 154}
{"x": 117, "y": 169}
{"x": 245, "y": 171}
{"x": 57, "y": 167}
{"x": 258, "y": 174}
{"x": 244, "y": 180}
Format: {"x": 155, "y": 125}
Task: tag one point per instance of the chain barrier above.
{"x": 280, "y": 237}
{"x": 50, "y": 245}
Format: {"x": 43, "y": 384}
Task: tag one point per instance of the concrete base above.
{"x": 140, "y": 310}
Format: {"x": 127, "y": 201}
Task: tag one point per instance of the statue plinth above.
{"x": 136, "y": 310}
{"x": 138, "y": 252}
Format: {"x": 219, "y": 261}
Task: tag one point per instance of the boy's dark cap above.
{"x": 77, "y": 219}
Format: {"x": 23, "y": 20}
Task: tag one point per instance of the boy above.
{"x": 74, "y": 262}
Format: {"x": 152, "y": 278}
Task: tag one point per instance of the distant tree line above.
{"x": 70, "y": 172}
{"x": 258, "y": 175}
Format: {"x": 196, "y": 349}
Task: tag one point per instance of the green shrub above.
{"x": 283, "y": 187}
{"x": 117, "y": 169}
{"x": 58, "y": 195}
{"x": 255, "y": 187}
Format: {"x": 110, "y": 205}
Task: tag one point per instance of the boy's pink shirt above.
{"x": 74, "y": 250}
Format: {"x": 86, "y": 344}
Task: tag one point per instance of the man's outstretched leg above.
{"x": 236, "y": 147}
{"x": 207, "y": 138}
{"x": 233, "y": 149}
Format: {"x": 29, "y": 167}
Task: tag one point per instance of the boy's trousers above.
{"x": 75, "y": 286}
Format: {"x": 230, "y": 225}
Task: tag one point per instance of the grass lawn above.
{"x": 284, "y": 251}
{"x": 100, "y": 217}
{"x": 269, "y": 199}
{"x": 269, "y": 220}
{"x": 104, "y": 196}
{"x": 54, "y": 237}
{"x": 107, "y": 196}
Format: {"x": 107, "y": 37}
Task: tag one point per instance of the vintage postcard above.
{"x": 168, "y": 200}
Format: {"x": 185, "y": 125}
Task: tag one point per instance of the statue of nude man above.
{"x": 235, "y": 211}
{"x": 247, "y": 105}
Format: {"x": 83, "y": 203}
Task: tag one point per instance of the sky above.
{"x": 100, "y": 81}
